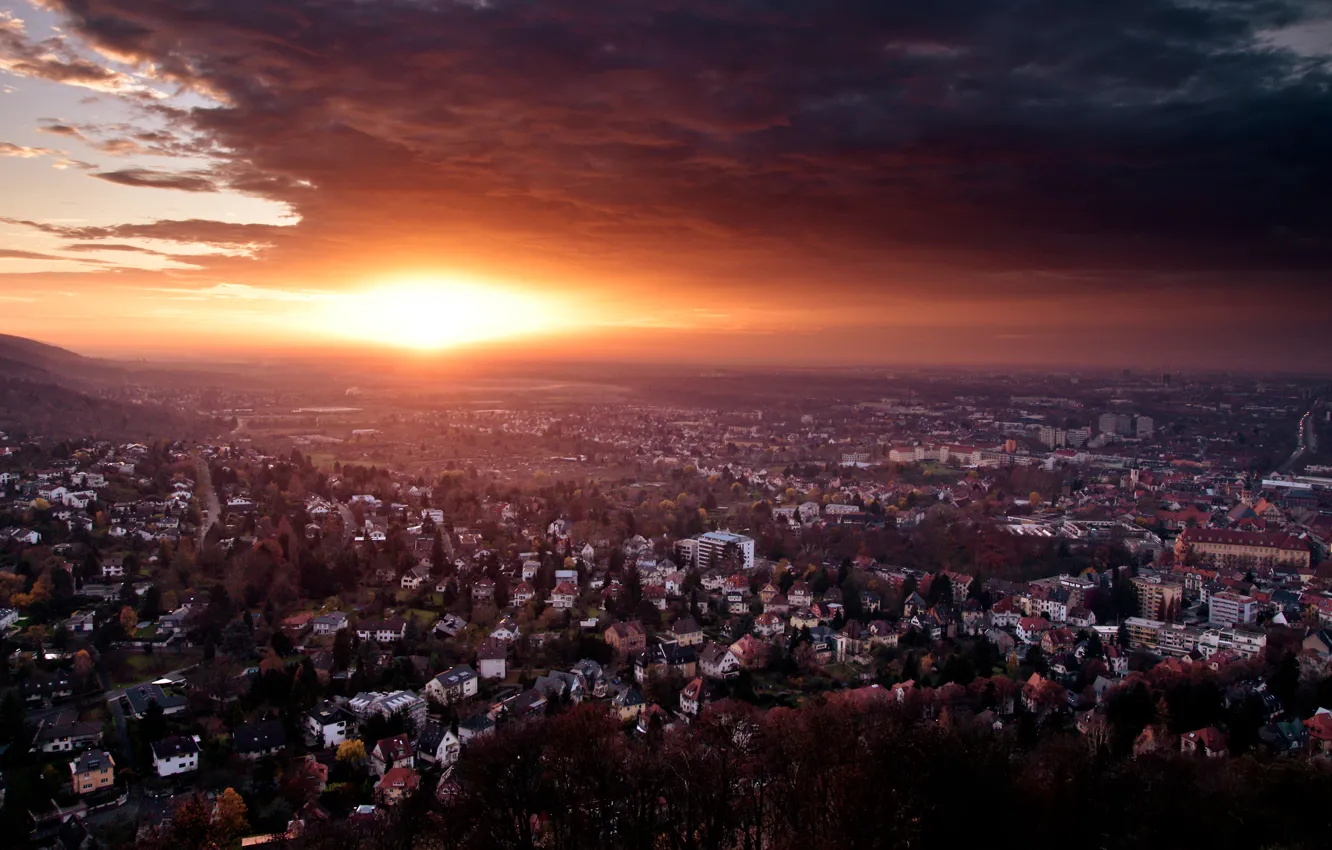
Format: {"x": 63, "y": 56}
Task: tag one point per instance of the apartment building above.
{"x": 1159, "y": 597}
{"x": 1231, "y": 609}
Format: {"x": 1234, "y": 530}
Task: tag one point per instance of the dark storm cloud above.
{"x": 203, "y": 231}
{"x": 111, "y": 246}
{"x": 61, "y": 130}
{"x": 147, "y": 178}
{"x": 841, "y": 136}
{"x": 11, "y": 254}
{"x": 51, "y": 59}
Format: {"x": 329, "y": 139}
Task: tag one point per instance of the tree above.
{"x": 151, "y": 607}
{"x": 83, "y": 665}
{"x": 941, "y": 590}
{"x": 154, "y": 725}
{"x": 437, "y": 556}
{"x": 129, "y": 621}
{"x": 191, "y": 824}
{"x": 351, "y": 751}
{"x": 229, "y": 815}
{"x": 342, "y": 649}
{"x": 1036, "y": 659}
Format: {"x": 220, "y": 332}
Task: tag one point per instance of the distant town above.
{"x": 355, "y": 612}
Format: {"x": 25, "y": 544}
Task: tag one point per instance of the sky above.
{"x": 1047, "y": 182}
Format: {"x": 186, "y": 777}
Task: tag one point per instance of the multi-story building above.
{"x": 626, "y": 639}
{"x": 174, "y": 755}
{"x": 453, "y": 685}
{"x": 329, "y": 724}
{"x": 1115, "y": 423}
{"x": 1246, "y": 640}
{"x": 409, "y": 705}
{"x": 1145, "y": 427}
{"x": 92, "y": 771}
{"x": 329, "y": 623}
{"x": 1053, "y": 438}
{"x": 64, "y": 732}
{"x": 1159, "y": 598}
{"x": 1241, "y": 549}
{"x": 1078, "y": 437}
{"x": 1143, "y": 633}
{"x": 713, "y": 545}
{"x": 1177, "y": 639}
{"x": 1231, "y": 609}
{"x": 382, "y": 631}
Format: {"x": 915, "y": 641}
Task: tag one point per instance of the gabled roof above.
{"x": 259, "y": 737}
{"x": 684, "y": 626}
{"x": 491, "y": 650}
{"x": 400, "y": 777}
{"x": 174, "y": 746}
{"x": 456, "y": 675}
{"x": 92, "y": 760}
{"x": 394, "y": 749}
{"x": 432, "y": 736}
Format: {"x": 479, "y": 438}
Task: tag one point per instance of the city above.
{"x": 333, "y": 614}
{"x": 665, "y": 424}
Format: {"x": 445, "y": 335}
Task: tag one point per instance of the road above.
{"x": 212, "y": 507}
{"x": 1307, "y": 442}
{"x": 348, "y": 521}
{"x": 122, "y": 731}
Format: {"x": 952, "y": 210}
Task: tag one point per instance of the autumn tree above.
{"x": 229, "y": 815}
{"x": 351, "y": 751}
{"x": 83, "y": 665}
{"x": 129, "y": 620}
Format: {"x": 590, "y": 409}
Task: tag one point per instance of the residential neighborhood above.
{"x": 322, "y": 643}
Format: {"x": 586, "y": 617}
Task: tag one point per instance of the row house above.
{"x": 382, "y": 631}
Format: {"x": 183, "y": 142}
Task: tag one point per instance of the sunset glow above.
{"x": 920, "y": 184}
{"x": 433, "y": 315}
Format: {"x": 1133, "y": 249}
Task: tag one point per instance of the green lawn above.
{"x": 422, "y": 617}
{"x": 133, "y": 668}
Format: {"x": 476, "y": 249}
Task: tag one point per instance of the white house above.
{"x": 329, "y": 724}
{"x": 563, "y": 596}
{"x": 1030, "y": 629}
{"x": 457, "y": 683}
{"x": 692, "y": 697}
{"x": 491, "y": 659}
{"x": 415, "y": 577}
{"x": 439, "y": 745}
{"x": 175, "y": 755}
{"x": 328, "y": 624}
{"x": 522, "y": 594}
{"x": 717, "y": 661}
{"x": 382, "y": 631}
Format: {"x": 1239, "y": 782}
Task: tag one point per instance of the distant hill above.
{"x": 51, "y": 391}
{"x": 28, "y": 358}
{"x": 23, "y": 350}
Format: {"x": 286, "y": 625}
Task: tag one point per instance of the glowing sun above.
{"x": 439, "y": 314}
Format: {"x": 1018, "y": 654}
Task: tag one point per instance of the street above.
{"x": 212, "y": 508}
{"x": 1307, "y": 439}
